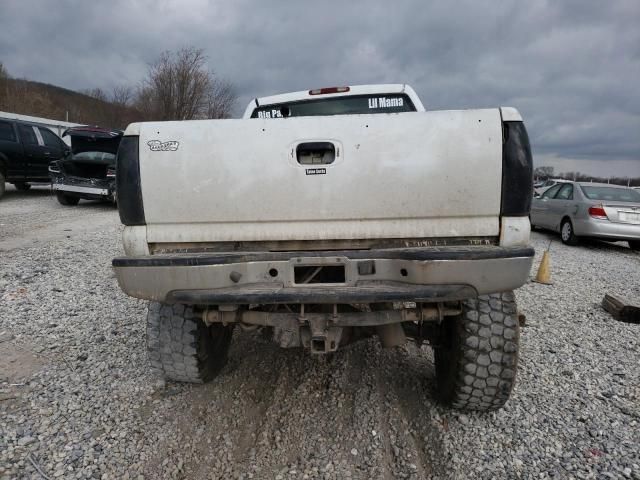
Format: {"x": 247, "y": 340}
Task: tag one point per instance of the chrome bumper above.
{"x": 78, "y": 189}
{"x": 416, "y": 274}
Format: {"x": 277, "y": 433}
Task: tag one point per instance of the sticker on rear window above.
{"x": 273, "y": 113}
{"x": 158, "y": 146}
{"x": 385, "y": 102}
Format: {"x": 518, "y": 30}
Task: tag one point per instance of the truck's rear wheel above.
{"x": 65, "y": 199}
{"x": 181, "y": 347}
{"x": 477, "y": 356}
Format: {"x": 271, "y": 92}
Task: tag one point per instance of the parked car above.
{"x": 597, "y": 210}
{"x": 90, "y": 171}
{"x": 540, "y": 187}
{"x": 25, "y": 153}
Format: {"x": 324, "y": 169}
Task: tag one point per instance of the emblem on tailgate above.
{"x": 158, "y": 146}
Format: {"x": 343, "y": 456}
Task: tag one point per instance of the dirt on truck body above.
{"x": 344, "y": 213}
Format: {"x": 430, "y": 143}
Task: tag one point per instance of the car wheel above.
{"x": 476, "y": 356}
{"x": 65, "y": 199}
{"x": 566, "y": 233}
{"x": 634, "y": 245}
{"x": 22, "y": 186}
{"x": 1, "y": 184}
{"x": 181, "y": 347}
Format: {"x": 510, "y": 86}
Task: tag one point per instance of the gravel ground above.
{"x": 77, "y": 400}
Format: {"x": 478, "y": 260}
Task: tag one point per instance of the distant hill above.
{"x": 43, "y": 100}
{"x": 178, "y": 86}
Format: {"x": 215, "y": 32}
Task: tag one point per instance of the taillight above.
{"x": 128, "y": 185}
{"x": 323, "y": 91}
{"x": 111, "y": 172}
{"x": 517, "y": 171}
{"x": 597, "y": 211}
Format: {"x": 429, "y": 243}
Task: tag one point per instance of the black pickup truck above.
{"x": 25, "y": 153}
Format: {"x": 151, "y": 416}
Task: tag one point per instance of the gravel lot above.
{"x": 77, "y": 401}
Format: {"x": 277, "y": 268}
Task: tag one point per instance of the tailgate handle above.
{"x": 316, "y": 153}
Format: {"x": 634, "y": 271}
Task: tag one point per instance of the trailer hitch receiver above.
{"x": 320, "y": 338}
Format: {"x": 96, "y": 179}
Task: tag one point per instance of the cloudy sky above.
{"x": 572, "y": 68}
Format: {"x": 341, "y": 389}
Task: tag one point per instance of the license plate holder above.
{"x": 310, "y": 271}
{"x": 629, "y": 217}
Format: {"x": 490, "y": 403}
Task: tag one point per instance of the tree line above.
{"x": 178, "y": 86}
{"x": 544, "y": 173}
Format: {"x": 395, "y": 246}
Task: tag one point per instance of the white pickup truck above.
{"x": 327, "y": 216}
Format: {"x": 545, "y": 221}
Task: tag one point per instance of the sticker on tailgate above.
{"x": 158, "y": 146}
{"x": 316, "y": 171}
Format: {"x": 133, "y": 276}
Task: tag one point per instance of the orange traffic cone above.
{"x": 544, "y": 272}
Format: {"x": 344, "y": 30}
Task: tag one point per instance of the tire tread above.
{"x": 478, "y": 370}
{"x": 180, "y": 347}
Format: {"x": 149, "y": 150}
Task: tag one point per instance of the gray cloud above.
{"x": 570, "y": 67}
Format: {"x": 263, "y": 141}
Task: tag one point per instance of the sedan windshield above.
{"x": 611, "y": 194}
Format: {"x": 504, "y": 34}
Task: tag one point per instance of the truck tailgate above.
{"x": 408, "y": 175}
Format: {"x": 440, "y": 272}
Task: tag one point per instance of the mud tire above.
{"x": 477, "y": 356}
{"x": 181, "y": 347}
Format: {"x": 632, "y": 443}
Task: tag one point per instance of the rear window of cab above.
{"x": 347, "y": 105}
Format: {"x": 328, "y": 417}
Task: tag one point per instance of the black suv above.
{"x": 25, "y": 153}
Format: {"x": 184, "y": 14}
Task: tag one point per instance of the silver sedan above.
{"x": 596, "y": 210}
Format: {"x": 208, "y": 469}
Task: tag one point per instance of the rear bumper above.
{"x": 606, "y": 229}
{"x": 91, "y": 188}
{"x": 416, "y": 274}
